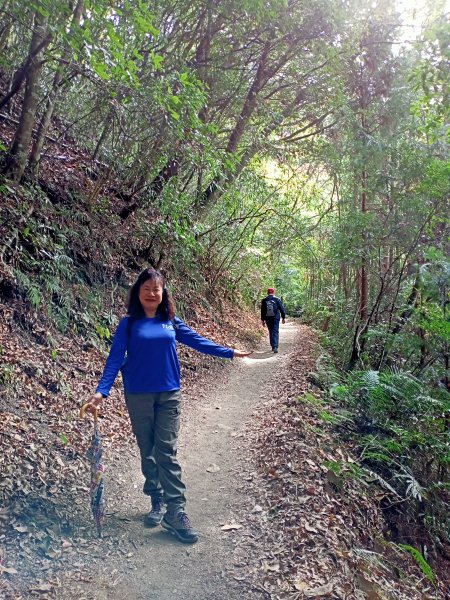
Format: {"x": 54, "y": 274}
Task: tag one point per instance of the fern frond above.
{"x": 383, "y": 483}
{"x": 34, "y": 296}
{"x": 370, "y": 379}
{"x": 420, "y": 560}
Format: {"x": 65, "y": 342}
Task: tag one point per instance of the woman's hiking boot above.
{"x": 178, "y": 523}
{"x": 154, "y": 517}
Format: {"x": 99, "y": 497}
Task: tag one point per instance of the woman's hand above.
{"x": 92, "y": 404}
{"x": 241, "y": 353}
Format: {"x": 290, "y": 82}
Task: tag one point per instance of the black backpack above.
{"x": 271, "y": 307}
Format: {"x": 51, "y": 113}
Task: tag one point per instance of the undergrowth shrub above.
{"x": 399, "y": 425}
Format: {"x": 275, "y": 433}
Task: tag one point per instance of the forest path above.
{"x": 213, "y": 455}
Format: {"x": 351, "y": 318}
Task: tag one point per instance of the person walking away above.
{"x": 271, "y": 310}
{"x": 144, "y": 350}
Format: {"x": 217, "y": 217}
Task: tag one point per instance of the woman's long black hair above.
{"x": 165, "y": 311}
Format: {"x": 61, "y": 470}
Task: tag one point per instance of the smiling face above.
{"x": 150, "y": 296}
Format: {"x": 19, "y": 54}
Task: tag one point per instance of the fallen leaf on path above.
{"x": 275, "y": 567}
{"x": 319, "y": 591}
{"x": 213, "y": 468}
{"x": 231, "y": 526}
{"x": 300, "y": 586}
{"x": 42, "y": 587}
{"x": 53, "y": 553}
{"x": 367, "y": 586}
{"x": 9, "y": 570}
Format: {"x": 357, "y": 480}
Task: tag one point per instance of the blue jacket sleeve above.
{"x": 189, "y": 337}
{"x": 115, "y": 358}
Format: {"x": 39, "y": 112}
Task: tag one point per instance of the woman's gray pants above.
{"x": 155, "y": 420}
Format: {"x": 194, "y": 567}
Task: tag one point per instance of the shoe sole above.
{"x": 152, "y": 524}
{"x": 174, "y": 532}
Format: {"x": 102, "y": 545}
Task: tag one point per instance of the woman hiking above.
{"x": 144, "y": 350}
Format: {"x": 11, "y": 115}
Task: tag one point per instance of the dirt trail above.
{"x": 212, "y": 452}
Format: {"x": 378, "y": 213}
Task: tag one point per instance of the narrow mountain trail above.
{"x": 213, "y": 442}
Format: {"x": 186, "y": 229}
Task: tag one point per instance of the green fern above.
{"x": 29, "y": 289}
{"x": 52, "y": 284}
{"x": 66, "y": 299}
{"x": 340, "y": 392}
{"x": 370, "y": 379}
{"x": 402, "y": 387}
{"x": 309, "y": 398}
{"x": 34, "y": 295}
{"x": 382, "y": 396}
{"x": 379, "y": 457}
{"x": 420, "y": 560}
{"x": 328, "y": 417}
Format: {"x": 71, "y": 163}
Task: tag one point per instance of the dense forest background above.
{"x": 237, "y": 144}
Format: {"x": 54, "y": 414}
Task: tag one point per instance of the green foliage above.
{"x": 328, "y": 417}
{"x": 44, "y": 270}
{"x": 402, "y": 434}
{"x": 430, "y": 79}
{"x": 103, "y": 332}
{"x": 7, "y": 375}
{"x": 420, "y": 560}
{"x": 64, "y": 439}
{"x": 260, "y": 143}
{"x": 44, "y": 267}
{"x": 344, "y": 469}
{"x": 311, "y": 399}
{"x": 113, "y": 55}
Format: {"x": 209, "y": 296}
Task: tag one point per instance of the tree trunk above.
{"x": 23, "y": 70}
{"x": 104, "y": 134}
{"x": 155, "y": 187}
{"x": 36, "y": 151}
{"x": 363, "y": 285}
{"x": 423, "y": 351}
{"x": 16, "y": 160}
{"x": 344, "y": 280}
{"x": 247, "y": 110}
{"x": 364, "y": 282}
